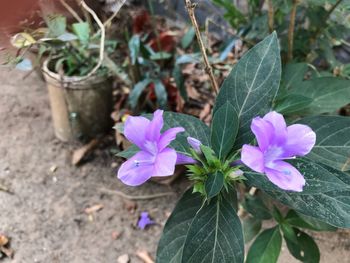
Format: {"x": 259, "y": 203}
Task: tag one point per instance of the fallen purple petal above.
{"x": 144, "y": 221}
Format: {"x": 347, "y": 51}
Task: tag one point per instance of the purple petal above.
{"x": 144, "y": 221}
{"x": 253, "y": 158}
{"x": 184, "y": 159}
{"x": 300, "y": 140}
{"x": 280, "y": 128}
{"x": 195, "y": 144}
{"x": 263, "y": 130}
{"x": 168, "y": 136}
{"x": 285, "y": 176}
{"x": 138, "y": 169}
{"x": 155, "y": 126}
{"x": 135, "y": 130}
{"x": 165, "y": 163}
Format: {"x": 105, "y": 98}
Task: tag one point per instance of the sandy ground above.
{"x": 45, "y": 216}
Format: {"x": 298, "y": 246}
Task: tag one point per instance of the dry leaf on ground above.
{"x": 144, "y": 255}
{"x": 93, "y": 209}
{"x": 80, "y": 153}
{"x": 123, "y": 259}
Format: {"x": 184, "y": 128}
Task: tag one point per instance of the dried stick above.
{"x": 135, "y": 197}
{"x": 270, "y": 15}
{"x": 291, "y": 30}
{"x": 103, "y": 35}
{"x": 70, "y": 10}
{"x": 190, "y": 9}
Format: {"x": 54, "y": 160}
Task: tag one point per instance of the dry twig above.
{"x": 271, "y": 14}
{"x": 134, "y": 197}
{"x": 291, "y": 30}
{"x": 190, "y": 9}
{"x": 103, "y": 35}
{"x": 71, "y": 10}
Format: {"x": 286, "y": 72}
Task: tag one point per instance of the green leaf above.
{"x": 256, "y": 207}
{"x": 137, "y": 91}
{"x": 224, "y": 130}
{"x": 306, "y": 249}
{"x": 56, "y": 24}
{"x": 193, "y": 127}
{"x": 288, "y": 232}
{"x": 292, "y": 103}
{"x": 180, "y": 81}
{"x": 134, "y": 47}
{"x": 82, "y": 30}
{"x": 293, "y": 74}
{"x": 160, "y": 55}
{"x": 328, "y": 94}
{"x": 188, "y": 38}
{"x": 251, "y": 227}
{"x": 326, "y": 195}
{"x": 332, "y": 141}
{"x": 266, "y": 247}
{"x": 252, "y": 85}
{"x": 175, "y": 230}
{"x": 162, "y": 95}
{"x": 214, "y": 184}
{"x": 215, "y": 235}
{"x": 298, "y": 220}
{"x": 131, "y": 151}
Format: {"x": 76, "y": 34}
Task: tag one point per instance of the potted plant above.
{"x": 77, "y": 71}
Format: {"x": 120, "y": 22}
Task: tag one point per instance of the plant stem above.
{"x": 291, "y": 30}
{"x": 270, "y": 15}
{"x": 71, "y": 10}
{"x": 190, "y": 9}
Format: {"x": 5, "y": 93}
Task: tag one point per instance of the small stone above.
{"x": 123, "y": 259}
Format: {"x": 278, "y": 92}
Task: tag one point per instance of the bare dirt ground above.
{"x": 45, "y": 216}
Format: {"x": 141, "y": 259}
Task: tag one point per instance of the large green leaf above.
{"x": 326, "y": 195}
{"x": 215, "y": 235}
{"x": 266, "y": 247}
{"x": 332, "y": 141}
{"x": 174, "y": 234}
{"x": 224, "y": 130}
{"x": 292, "y": 103}
{"x": 293, "y": 74}
{"x": 328, "y": 94}
{"x": 305, "y": 248}
{"x": 251, "y": 227}
{"x": 256, "y": 207}
{"x": 214, "y": 184}
{"x": 193, "y": 127}
{"x": 252, "y": 85}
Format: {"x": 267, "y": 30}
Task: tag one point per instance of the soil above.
{"x": 45, "y": 216}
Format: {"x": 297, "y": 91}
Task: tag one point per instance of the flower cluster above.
{"x": 276, "y": 143}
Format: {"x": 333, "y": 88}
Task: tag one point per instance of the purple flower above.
{"x": 144, "y": 221}
{"x": 154, "y": 157}
{"x": 278, "y": 142}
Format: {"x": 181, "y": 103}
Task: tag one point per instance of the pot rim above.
{"x": 65, "y": 81}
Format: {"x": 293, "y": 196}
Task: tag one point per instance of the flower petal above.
{"x": 285, "y": 176}
{"x": 184, "y": 159}
{"x": 138, "y": 169}
{"x": 300, "y": 140}
{"x": 135, "y": 130}
{"x": 280, "y": 127}
{"x": 263, "y": 131}
{"x": 253, "y": 158}
{"x": 155, "y": 126}
{"x": 195, "y": 144}
{"x": 165, "y": 163}
{"x": 168, "y": 136}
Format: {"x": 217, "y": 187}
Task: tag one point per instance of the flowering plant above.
{"x": 302, "y": 165}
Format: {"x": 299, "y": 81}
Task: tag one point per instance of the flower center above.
{"x": 272, "y": 154}
{"x": 138, "y": 163}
